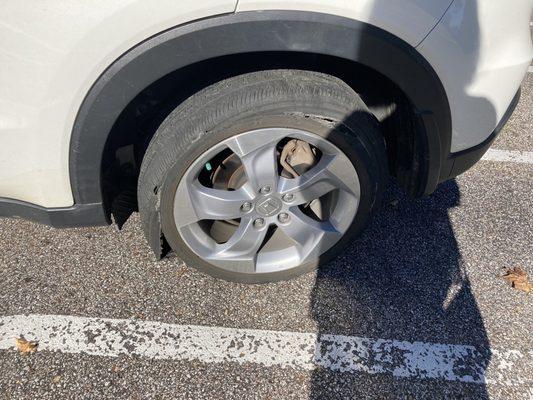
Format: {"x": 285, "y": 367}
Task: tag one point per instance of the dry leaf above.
{"x": 181, "y": 271}
{"x": 518, "y": 279}
{"x": 56, "y": 379}
{"x": 25, "y": 346}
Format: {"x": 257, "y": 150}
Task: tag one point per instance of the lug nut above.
{"x": 265, "y": 190}
{"x": 259, "y": 223}
{"x": 284, "y": 218}
{"x": 246, "y": 206}
{"x": 287, "y": 198}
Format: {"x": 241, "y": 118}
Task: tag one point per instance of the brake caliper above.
{"x": 298, "y": 157}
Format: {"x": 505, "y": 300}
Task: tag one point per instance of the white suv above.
{"x": 255, "y": 137}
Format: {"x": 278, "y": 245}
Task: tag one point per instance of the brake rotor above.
{"x": 228, "y": 175}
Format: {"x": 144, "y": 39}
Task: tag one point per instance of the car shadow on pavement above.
{"x": 403, "y": 279}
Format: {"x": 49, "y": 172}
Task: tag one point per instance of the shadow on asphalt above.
{"x": 403, "y": 279}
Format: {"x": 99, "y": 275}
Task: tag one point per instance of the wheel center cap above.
{"x": 268, "y": 206}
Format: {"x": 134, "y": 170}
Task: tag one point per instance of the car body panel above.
{"x": 481, "y": 51}
{"x": 51, "y": 53}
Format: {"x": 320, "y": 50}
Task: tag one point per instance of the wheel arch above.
{"x": 251, "y": 32}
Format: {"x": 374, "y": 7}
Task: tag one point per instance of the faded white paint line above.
{"x": 530, "y": 69}
{"x": 525, "y": 157}
{"x": 401, "y": 359}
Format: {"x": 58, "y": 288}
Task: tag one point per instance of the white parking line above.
{"x": 307, "y": 351}
{"x": 525, "y": 157}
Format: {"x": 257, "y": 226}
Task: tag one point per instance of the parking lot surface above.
{"x": 416, "y": 308}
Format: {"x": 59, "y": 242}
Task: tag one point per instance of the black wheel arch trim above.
{"x": 247, "y": 32}
{"x": 77, "y": 215}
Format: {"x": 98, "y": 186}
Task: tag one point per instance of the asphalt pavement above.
{"x": 416, "y": 308}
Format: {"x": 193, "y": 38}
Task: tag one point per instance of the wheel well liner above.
{"x": 268, "y": 31}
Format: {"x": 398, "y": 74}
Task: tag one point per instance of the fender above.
{"x": 246, "y": 32}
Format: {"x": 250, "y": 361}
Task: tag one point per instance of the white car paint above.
{"x": 51, "y": 53}
{"x": 481, "y": 51}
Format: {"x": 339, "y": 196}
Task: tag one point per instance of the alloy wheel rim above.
{"x": 272, "y": 232}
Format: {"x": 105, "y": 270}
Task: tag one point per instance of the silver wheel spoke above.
{"x": 259, "y": 157}
{"x": 329, "y": 174}
{"x": 240, "y": 251}
{"x": 312, "y": 237}
{"x": 196, "y": 202}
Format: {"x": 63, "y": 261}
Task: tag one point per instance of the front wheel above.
{"x": 264, "y": 176}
